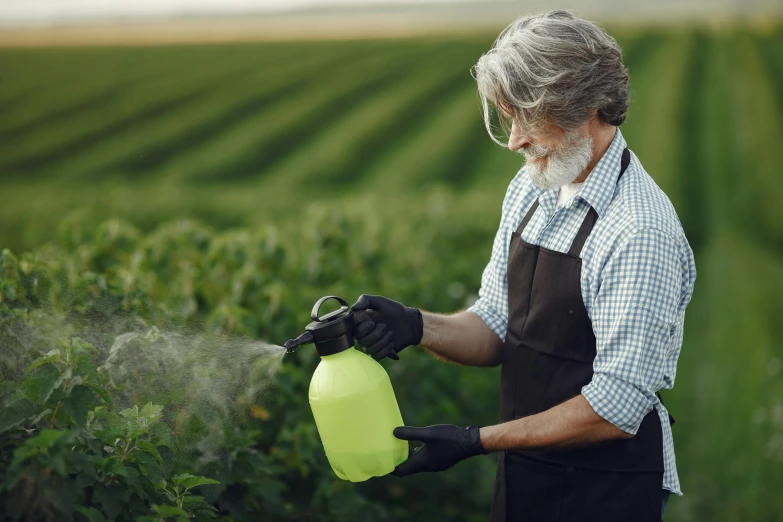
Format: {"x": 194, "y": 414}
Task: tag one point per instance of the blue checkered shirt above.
{"x": 637, "y": 278}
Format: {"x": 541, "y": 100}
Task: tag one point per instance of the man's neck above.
{"x": 601, "y": 142}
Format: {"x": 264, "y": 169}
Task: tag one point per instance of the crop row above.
{"x": 404, "y": 115}
{"x": 258, "y": 144}
{"x": 52, "y": 95}
{"x": 233, "y": 120}
{"x": 48, "y": 84}
{"x": 80, "y": 143}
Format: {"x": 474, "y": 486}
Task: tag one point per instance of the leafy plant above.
{"x": 65, "y": 454}
{"x": 131, "y": 320}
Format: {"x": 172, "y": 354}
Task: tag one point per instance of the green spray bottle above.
{"x": 352, "y": 399}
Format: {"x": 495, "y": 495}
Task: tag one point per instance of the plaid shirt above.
{"x": 637, "y": 277}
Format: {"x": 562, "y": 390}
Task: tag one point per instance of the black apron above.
{"x": 547, "y": 358}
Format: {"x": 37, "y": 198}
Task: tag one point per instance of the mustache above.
{"x": 535, "y": 151}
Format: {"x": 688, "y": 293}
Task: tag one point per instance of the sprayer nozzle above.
{"x": 293, "y": 344}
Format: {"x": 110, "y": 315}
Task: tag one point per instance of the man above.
{"x": 582, "y": 301}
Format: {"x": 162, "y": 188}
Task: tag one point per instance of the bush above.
{"x": 170, "y": 318}
{"x": 67, "y": 454}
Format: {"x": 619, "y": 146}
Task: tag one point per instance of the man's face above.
{"x": 553, "y": 156}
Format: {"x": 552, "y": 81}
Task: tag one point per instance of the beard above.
{"x": 562, "y": 165}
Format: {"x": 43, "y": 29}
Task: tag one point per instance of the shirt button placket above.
{"x": 546, "y": 230}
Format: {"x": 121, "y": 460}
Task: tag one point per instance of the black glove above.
{"x": 444, "y": 446}
{"x": 384, "y": 327}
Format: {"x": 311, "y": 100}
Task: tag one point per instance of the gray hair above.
{"x": 552, "y": 67}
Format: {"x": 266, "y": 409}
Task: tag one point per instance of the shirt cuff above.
{"x": 494, "y": 321}
{"x": 617, "y": 401}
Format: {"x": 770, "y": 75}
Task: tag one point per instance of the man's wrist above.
{"x": 484, "y": 436}
{"x": 490, "y": 438}
{"x": 475, "y": 436}
{"x": 418, "y": 324}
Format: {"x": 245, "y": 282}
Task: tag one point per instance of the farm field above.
{"x": 276, "y": 173}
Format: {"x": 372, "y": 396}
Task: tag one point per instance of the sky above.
{"x": 47, "y": 11}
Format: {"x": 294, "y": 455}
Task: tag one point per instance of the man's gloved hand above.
{"x": 444, "y": 446}
{"x": 384, "y": 327}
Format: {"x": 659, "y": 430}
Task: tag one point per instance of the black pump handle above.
{"x": 314, "y": 313}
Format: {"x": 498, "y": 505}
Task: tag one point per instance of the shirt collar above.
{"x": 599, "y": 186}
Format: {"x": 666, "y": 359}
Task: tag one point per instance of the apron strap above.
{"x": 584, "y": 231}
{"x": 592, "y": 215}
{"x": 529, "y": 215}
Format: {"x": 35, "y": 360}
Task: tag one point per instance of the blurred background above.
{"x": 231, "y": 161}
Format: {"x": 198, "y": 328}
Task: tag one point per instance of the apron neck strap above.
{"x": 584, "y": 231}
{"x": 592, "y": 215}
{"x": 527, "y": 217}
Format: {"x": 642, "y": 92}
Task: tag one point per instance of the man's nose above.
{"x": 517, "y": 140}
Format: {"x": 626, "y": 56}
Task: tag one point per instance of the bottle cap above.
{"x": 333, "y": 332}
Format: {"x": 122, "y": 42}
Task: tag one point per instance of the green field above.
{"x": 368, "y": 163}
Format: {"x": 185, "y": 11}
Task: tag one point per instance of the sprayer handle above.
{"x": 314, "y": 313}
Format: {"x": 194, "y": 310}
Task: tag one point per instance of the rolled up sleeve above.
{"x": 492, "y": 304}
{"x": 497, "y": 323}
{"x": 634, "y": 318}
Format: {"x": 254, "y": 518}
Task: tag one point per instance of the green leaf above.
{"x": 84, "y": 364}
{"x": 57, "y": 462}
{"x": 109, "y": 426}
{"x": 73, "y": 382}
{"x": 103, "y": 393}
{"x": 136, "y": 429}
{"x": 113, "y": 466}
{"x": 39, "y": 384}
{"x": 135, "y": 482}
{"x": 92, "y": 514}
{"x": 151, "y": 412}
{"x": 51, "y": 356}
{"x": 150, "y": 448}
{"x": 80, "y": 401}
{"x": 130, "y": 413}
{"x": 162, "y": 434}
{"x": 76, "y": 346}
{"x": 67, "y": 373}
{"x": 50, "y": 378}
{"x": 192, "y": 482}
{"x": 39, "y": 444}
{"x": 194, "y": 502}
{"x": 169, "y": 511}
{"x": 17, "y": 412}
{"x": 177, "y": 479}
{"x": 148, "y": 465}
